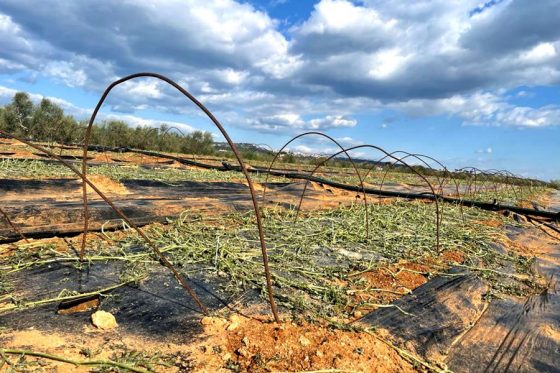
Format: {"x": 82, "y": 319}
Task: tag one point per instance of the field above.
{"x": 428, "y": 271}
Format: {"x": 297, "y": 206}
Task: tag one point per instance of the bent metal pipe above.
{"x": 231, "y": 144}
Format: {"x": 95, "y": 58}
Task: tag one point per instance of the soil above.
{"x": 227, "y": 344}
{"x": 106, "y": 185}
{"x": 393, "y": 281}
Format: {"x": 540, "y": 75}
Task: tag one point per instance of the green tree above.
{"x": 3, "y": 124}
{"x": 47, "y": 121}
{"x": 289, "y": 157}
{"x": 198, "y": 142}
{"x": 19, "y": 114}
{"x": 117, "y": 133}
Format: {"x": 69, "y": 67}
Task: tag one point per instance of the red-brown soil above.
{"x": 242, "y": 344}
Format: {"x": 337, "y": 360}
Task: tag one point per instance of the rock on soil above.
{"x": 104, "y": 320}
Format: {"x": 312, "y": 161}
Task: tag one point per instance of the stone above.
{"x": 104, "y": 320}
{"x": 304, "y": 341}
{"x": 244, "y": 351}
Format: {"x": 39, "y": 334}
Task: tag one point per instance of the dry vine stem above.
{"x": 86, "y": 182}
{"x": 231, "y": 145}
{"x": 342, "y": 151}
{"x": 101, "y": 363}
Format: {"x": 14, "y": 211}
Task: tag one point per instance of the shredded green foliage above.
{"x": 36, "y": 169}
{"x": 308, "y": 258}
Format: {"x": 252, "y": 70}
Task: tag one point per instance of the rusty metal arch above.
{"x": 215, "y": 121}
{"x": 342, "y": 151}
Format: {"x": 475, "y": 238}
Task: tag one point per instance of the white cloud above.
{"x": 136, "y": 121}
{"x": 484, "y": 108}
{"x": 144, "y": 88}
{"x": 231, "y": 76}
{"x": 339, "y": 26}
{"x": 294, "y": 122}
{"x": 530, "y": 117}
{"x": 540, "y": 53}
{"x": 67, "y": 72}
{"x": 423, "y": 58}
{"x": 386, "y": 63}
{"x": 331, "y": 121}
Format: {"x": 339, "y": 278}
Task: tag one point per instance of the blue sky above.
{"x": 470, "y": 83}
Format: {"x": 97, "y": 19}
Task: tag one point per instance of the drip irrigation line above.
{"x": 225, "y": 166}
{"x": 490, "y": 206}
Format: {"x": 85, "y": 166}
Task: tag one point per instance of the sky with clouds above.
{"x": 468, "y": 82}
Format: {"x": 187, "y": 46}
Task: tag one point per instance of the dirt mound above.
{"x": 106, "y": 185}
{"x": 257, "y": 186}
{"x": 393, "y": 281}
{"x": 226, "y": 345}
{"x": 252, "y": 345}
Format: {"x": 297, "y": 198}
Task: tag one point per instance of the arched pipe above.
{"x": 231, "y": 144}
{"x": 315, "y": 133}
{"x": 419, "y": 158}
{"x": 434, "y": 194}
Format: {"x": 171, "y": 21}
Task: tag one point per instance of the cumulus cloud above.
{"x": 511, "y": 26}
{"x": 287, "y": 122}
{"x": 484, "y": 108}
{"x": 340, "y": 27}
{"x": 421, "y": 57}
{"x": 169, "y": 35}
{"x": 431, "y": 49}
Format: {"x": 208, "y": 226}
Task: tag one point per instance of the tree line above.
{"x": 47, "y": 122}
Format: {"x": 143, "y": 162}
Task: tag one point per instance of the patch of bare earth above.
{"x": 234, "y": 344}
{"x": 106, "y": 185}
